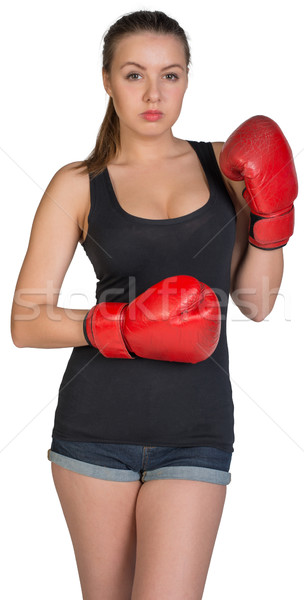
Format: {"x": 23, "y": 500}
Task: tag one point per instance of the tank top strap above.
{"x": 209, "y": 163}
{"x": 99, "y": 195}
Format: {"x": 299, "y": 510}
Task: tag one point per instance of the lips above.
{"x": 152, "y": 112}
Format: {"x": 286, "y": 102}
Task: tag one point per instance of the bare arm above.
{"x": 256, "y": 274}
{"x": 257, "y": 282}
{"x": 36, "y": 320}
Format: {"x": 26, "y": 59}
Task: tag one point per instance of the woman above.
{"x": 146, "y": 206}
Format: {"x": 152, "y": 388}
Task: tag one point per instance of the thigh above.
{"x": 100, "y": 516}
{"x": 177, "y": 523}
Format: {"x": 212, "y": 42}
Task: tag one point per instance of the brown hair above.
{"x": 108, "y": 137}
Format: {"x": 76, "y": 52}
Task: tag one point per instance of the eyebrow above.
{"x": 144, "y": 68}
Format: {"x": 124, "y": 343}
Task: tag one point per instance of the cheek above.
{"x": 123, "y": 100}
{"x": 177, "y": 96}
{"x": 127, "y": 96}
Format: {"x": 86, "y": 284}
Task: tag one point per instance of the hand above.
{"x": 258, "y": 152}
{"x": 177, "y": 319}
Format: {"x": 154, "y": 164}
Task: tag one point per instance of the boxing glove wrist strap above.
{"x": 271, "y": 232}
{"x": 84, "y": 325}
{"x": 102, "y": 329}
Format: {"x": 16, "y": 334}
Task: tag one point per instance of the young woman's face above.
{"x": 151, "y": 84}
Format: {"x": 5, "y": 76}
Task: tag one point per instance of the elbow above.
{"x": 18, "y": 345}
{"x": 263, "y": 309}
{"x": 260, "y": 316}
{"x": 16, "y": 341}
{"x": 252, "y": 311}
{"x": 15, "y": 335}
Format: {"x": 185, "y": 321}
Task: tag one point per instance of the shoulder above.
{"x": 71, "y": 184}
{"x": 71, "y": 178}
{"x": 73, "y": 174}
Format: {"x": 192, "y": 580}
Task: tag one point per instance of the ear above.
{"x": 106, "y": 81}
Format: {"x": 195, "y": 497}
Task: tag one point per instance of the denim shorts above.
{"x": 129, "y": 462}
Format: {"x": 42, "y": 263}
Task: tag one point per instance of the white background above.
{"x": 247, "y": 59}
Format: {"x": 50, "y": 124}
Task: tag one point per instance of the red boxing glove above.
{"x": 177, "y": 319}
{"x": 258, "y": 152}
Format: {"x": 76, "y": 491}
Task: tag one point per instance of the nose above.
{"x": 152, "y": 92}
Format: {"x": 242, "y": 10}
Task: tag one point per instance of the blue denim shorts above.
{"x": 129, "y": 462}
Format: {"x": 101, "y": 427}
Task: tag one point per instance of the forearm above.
{"x": 48, "y": 326}
{"x": 257, "y": 281}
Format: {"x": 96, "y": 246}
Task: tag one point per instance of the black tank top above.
{"x": 144, "y": 401}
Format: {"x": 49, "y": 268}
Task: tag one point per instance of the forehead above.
{"x": 149, "y": 49}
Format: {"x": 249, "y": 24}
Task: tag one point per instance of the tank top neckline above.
{"x": 170, "y": 221}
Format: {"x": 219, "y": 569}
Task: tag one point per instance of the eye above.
{"x": 131, "y": 75}
{"x": 173, "y": 75}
